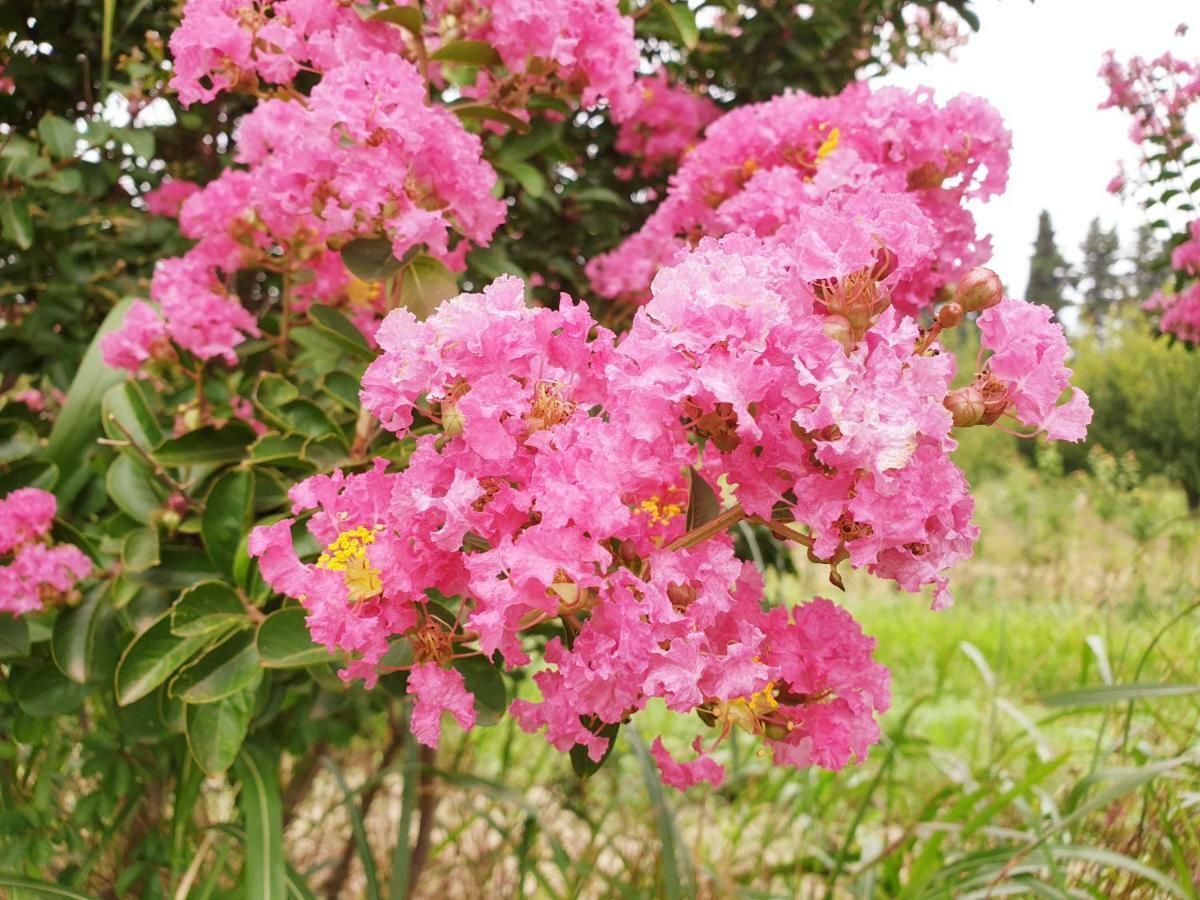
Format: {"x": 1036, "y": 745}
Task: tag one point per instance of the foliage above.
{"x": 1145, "y": 392}
{"x": 1100, "y": 288}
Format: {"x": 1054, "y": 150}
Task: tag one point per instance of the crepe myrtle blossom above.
{"x": 32, "y": 569}
{"x": 555, "y": 467}
{"x": 759, "y": 163}
{"x": 659, "y": 122}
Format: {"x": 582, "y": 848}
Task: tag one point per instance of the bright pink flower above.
{"x": 682, "y": 775}
{"x": 168, "y": 197}
{"x": 658, "y": 122}
{"x": 1028, "y": 354}
{"x": 1186, "y": 257}
{"x": 438, "y": 690}
{"x": 141, "y": 338}
{"x": 25, "y": 515}
{"x": 34, "y": 572}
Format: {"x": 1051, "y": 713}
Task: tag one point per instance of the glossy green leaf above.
{"x": 127, "y": 415}
{"x": 17, "y": 440}
{"x": 28, "y": 473}
{"x": 284, "y": 642}
{"x": 370, "y": 259}
{"x": 134, "y": 489}
{"x": 426, "y": 284}
{"x": 215, "y": 731}
{"x": 227, "y": 667}
{"x": 263, "y": 876}
{"x": 471, "y": 53}
{"x": 344, "y": 332}
{"x": 583, "y": 764}
{"x": 73, "y": 642}
{"x": 207, "y": 445}
{"x": 408, "y": 17}
{"x": 16, "y": 224}
{"x": 207, "y": 608}
{"x": 483, "y": 679}
{"x": 14, "y": 636}
{"x": 139, "y": 551}
{"x": 151, "y": 658}
{"x": 58, "y": 135}
{"x": 480, "y": 112}
{"x": 683, "y": 20}
{"x": 75, "y": 430}
{"x": 227, "y": 516}
{"x": 44, "y": 691}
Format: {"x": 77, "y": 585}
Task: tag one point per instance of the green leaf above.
{"x": 16, "y": 224}
{"x": 371, "y": 259}
{"x": 530, "y": 179}
{"x": 126, "y": 415}
{"x": 471, "y": 53}
{"x": 583, "y": 764}
{"x": 1119, "y": 693}
{"x": 262, "y": 813}
{"x": 227, "y": 516}
{"x": 44, "y": 691}
{"x": 207, "y": 445}
{"x": 215, "y": 731}
{"x": 17, "y": 440}
{"x": 683, "y": 20}
{"x": 151, "y": 657}
{"x": 133, "y": 488}
{"x": 30, "y": 473}
{"x": 426, "y": 284}
{"x": 677, "y": 872}
{"x": 284, "y": 642}
{"x": 14, "y": 637}
{"x": 407, "y": 17}
{"x": 73, "y": 641}
{"x": 343, "y": 332}
{"x": 478, "y": 112}
{"x": 207, "y": 608}
{"x": 228, "y": 667}
{"x": 139, "y": 550}
{"x": 703, "y": 504}
{"x": 78, "y": 423}
{"x": 483, "y": 679}
{"x": 58, "y": 135}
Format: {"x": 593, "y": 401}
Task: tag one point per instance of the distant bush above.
{"x": 1145, "y": 393}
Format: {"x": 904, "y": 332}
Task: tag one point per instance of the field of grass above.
{"x": 1044, "y": 740}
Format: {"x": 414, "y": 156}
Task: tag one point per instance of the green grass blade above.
{"x": 362, "y": 847}
{"x": 676, "y": 868}
{"x": 262, "y": 810}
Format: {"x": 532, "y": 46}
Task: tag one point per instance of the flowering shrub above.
{"x": 336, "y": 428}
{"x": 1158, "y": 95}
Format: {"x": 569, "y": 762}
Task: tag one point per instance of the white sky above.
{"x": 1037, "y": 63}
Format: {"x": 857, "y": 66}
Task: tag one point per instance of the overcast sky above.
{"x": 1037, "y": 64}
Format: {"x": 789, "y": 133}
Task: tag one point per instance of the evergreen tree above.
{"x": 1100, "y": 286}
{"x": 1049, "y": 274}
{"x": 1149, "y": 265}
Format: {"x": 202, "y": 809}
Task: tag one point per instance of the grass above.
{"x": 1002, "y": 772}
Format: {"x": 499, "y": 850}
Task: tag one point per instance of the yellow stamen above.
{"x": 829, "y": 145}
{"x": 348, "y": 554}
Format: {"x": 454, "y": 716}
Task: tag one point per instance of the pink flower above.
{"x": 682, "y": 775}
{"x": 142, "y": 337}
{"x": 1028, "y": 354}
{"x": 1186, "y": 257}
{"x": 34, "y": 571}
{"x": 438, "y": 690}
{"x": 659, "y": 122}
{"x": 168, "y": 197}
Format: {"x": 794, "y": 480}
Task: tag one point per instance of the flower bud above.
{"x": 950, "y": 315}
{"x": 966, "y": 405}
{"x": 979, "y": 289}
{"x": 839, "y": 329}
{"x": 452, "y": 419}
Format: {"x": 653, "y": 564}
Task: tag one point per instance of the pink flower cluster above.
{"x": 364, "y": 155}
{"x": 759, "y": 164}
{"x": 555, "y": 466}
{"x": 659, "y": 122}
{"x": 31, "y": 571}
{"x": 583, "y": 48}
{"x": 1157, "y": 93}
{"x": 1179, "y": 313}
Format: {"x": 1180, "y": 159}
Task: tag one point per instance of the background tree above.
{"x": 1149, "y": 263}
{"x": 1049, "y": 274}
{"x": 1099, "y": 285}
